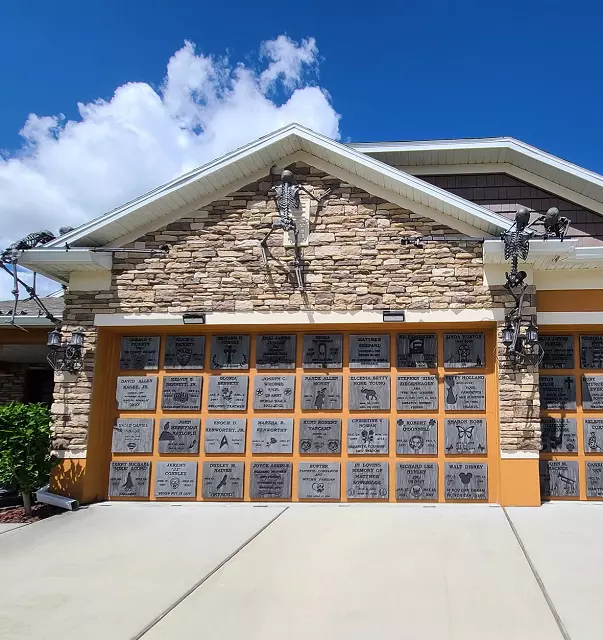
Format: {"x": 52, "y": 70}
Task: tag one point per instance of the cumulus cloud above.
{"x": 69, "y": 171}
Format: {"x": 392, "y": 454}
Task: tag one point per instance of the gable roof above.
{"x": 253, "y": 161}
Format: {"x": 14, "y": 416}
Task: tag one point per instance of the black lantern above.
{"x": 63, "y": 355}
{"x": 507, "y": 336}
{"x": 54, "y": 340}
{"x": 77, "y": 338}
{"x": 532, "y": 335}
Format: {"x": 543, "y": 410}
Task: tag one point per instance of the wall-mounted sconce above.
{"x": 66, "y": 355}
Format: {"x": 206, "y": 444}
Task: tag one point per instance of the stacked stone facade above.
{"x": 354, "y": 261}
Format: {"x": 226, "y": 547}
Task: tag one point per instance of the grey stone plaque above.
{"x": 592, "y": 392}
{"x": 417, "y": 350}
{"x": 591, "y": 352}
{"x": 463, "y": 350}
{"x": 138, "y": 353}
{"x": 184, "y": 352}
{"x": 270, "y": 480}
{"x": 318, "y": 480}
{"x": 369, "y": 352}
{"x": 322, "y": 351}
{"x": 367, "y": 480}
{"x": 593, "y": 435}
{"x": 465, "y": 436}
{"x": 272, "y": 435}
{"x": 227, "y": 393}
{"x": 230, "y": 352}
{"x": 416, "y": 481}
{"x": 175, "y": 479}
{"x": 559, "y": 434}
{"x": 369, "y": 393}
{"x": 274, "y": 392}
{"x": 416, "y": 393}
{"x": 179, "y": 435}
{"x": 466, "y": 481}
{"x": 225, "y": 435}
{"x": 559, "y": 478}
{"x": 181, "y": 392}
{"x": 136, "y": 394}
{"x": 417, "y": 436}
{"x": 133, "y": 435}
{"x": 322, "y": 392}
{"x": 368, "y": 435}
{"x": 129, "y": 479}
{"x": 558, "y": 352}
{"x": 275, "y": 352}
{"x": 223, "y": 480}
{"x": 594, "y": 479}
{"x": 319, "y": 435}
{"x": 464, "y": 393}
{"x": 557, "y": 392}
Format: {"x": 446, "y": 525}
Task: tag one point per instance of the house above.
{"x": 308, "y": 320}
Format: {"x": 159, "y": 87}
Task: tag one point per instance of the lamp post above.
{"x": 66, "y": 355}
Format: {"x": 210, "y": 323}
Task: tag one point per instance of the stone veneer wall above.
{"x": 12, "y": 383}
{"x": 354, "y": 261}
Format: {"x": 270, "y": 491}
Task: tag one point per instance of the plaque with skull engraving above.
{"x": 321, "y": 392}
{"x": 227, "y": 393}
{"x": 129, "y": 479}
{"x": 557, "y": 392}
{"x": 133, "y": 435}
{"x": 592, "y": 392}
{"x": 270, "y": 480}
{"x": 318, "y": 480}
{"x": 559, "y": 435}
{"x": 417, "y": 436}
{"x": 417, "y": 350}
{"x": 225, "y": 435}
{"x": 176, "y": 480}
{"x": 275, "y": 352}
{"x": 593, "y": 435}
{"x": 591, "y": 352}
{"x": 322, "y": 351}
{"x": 594, "y": 479}
{"x": 274, "y": 392}
{"x": 136, "y": 393}
{"x": 416, "y": 481}
{"x": 367, "y": 480}
{"x": 184, "y": 352}
{"x": 179, "y": 435}
{"x": 368, "y": 435}
{"x": 369, "y": 352}
{"x": 223, "y": 480}
{"x": 369, "y": 393}
{"x": 319, "y": 435}
{"x": 557, "y": 352}
{"x": 272, "y": 435}
{"x": 463, "y": 350}
{"x": 466, "y": 481}
{"x": 464, "y": 393}
{"x": 416, "y": 393}
{"x": 181, "y": 392}
{"x": 230, "y": 352}
{"x": 138, "y": 353}
{"x": 465, "y": 436}
{"x": 559, "y": 478}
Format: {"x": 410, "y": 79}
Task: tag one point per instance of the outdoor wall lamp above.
{"x": 66, "y": 355}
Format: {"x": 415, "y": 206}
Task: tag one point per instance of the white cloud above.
{"x": 69, "y": 171}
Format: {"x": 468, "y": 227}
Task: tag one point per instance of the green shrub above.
{"x": 25, "y": 442}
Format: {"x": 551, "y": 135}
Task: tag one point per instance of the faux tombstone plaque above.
{"x": 181, "y": 392}
{"x": 225, "y": 435}
{"x": 416, "y": 350}
{"x": 559, "y": 478}
{"x": 133, "y": 435}
{"x": 559, "y": 435}
{"x": 136, "y": 394}
{"x": 230, "y": 352}
{"x": 369, "y": 393}
{"x": 368, "y": 436}
{"x": 591, "y": 352}
{"x": 557, "y": 392}
{"x": 272, "y": 435}
{"x": 464, "y": 393}
{"x": 416, "y": 481}
{"x": 179, "y": 435}
{"x": 463, "y": 350}
{"x": 466, "y": 481}
{"x": 129, "y": 479}
{"x": 318, "y": 480}
{"x": 175, "y": 479}
{"x": 322, "y": 392}
{"x": 558, "y": 352}
{"x": 592, "y": 392}
{"x": 138, "y": 353}
{"x": 274, "y": 392}
{"x": 368, "y": 480}
{"x": 416, "y": 393}
{"x": 227, "y": 393}
{"x": 223, "y": 480}
{"x": 369, "y": 352}
{"x": 465, "y": 436}
{"x": 417, "y": 436}
{"x": 319, "y": 435}
{"x": 322, "y": 351}
{"x": 275, "y": 352}
{"x": 184, "y": 352}
{"x": 593, "y": 435}
{"x": 594, "y": 479}
{"x": 270, "y": 480}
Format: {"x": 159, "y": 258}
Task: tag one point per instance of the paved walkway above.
{"x": 160, "y": 571}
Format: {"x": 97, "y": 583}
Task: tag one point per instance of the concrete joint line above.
{"x": 538, "y": 579}
{"x": 183, "y": 597}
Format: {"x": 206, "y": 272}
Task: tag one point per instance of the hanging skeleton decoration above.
{"x": 287, "y": 198}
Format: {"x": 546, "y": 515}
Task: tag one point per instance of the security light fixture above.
{"x": 66, "y": 355}
{"x": 193, "y": 317}
{"x": 394, "y": 316}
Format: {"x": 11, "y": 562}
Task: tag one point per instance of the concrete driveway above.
{"x": 158, "y": 571}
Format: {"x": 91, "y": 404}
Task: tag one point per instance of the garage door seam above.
{"x": 206, "y": 577}
{"x": 538, "y": 579}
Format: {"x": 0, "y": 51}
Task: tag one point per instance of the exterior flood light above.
{"x": 394, "y": 316}
{"x": 193, "y": 318}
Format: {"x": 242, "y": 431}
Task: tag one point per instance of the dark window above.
{"x": 39, "y": 384}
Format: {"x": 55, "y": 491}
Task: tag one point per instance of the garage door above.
{"x": 340, "y": 414}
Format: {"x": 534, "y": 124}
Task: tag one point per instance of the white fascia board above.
{"x": 494, "y": 249}
{"x": 73, "y": 256}
{"x": 429, "y": 145}
{"x": 25, "y": 321}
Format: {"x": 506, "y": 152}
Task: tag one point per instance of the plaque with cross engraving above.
{"x": 320, "y": 435}
{"x": 184, "y": 352}
{"x": 369, "y": 393}
{"x": 230, "y": 352}
{"x": 223, "y": 480}
{"x": 367, "y": 480}
{"x": 557, "y": 352}
{"x": 369, "y": 351}
{"x": 318, "y": 480}
{"x": 464, "y": 350}
{"x": 593, "y": 435}
{"x": 559, "y": 478}
{"x": 322, "y": 392}
{"x": 136, "y": 393}
{"x": 416, "y": 481}
{"x": 275, "y": 351}
{"x": 592, "y": 392}
{"x": 465, "y": 436}
{"x": 416, "y": 393}
{"x": 138, "y": 353}
{"x": 466, "y": 481}
{"x": 129, "y": 479}
{"x": 272, "y": 435}
{"x": 225, "y": 435}
{"x": 559, "y": 435}
{"x": 227, "y": 393}
{"x": 557, "y": 392}
{"x": 594, "y": 479}
{"x": 133, "y": 435}
{"x": 591, "y": 352}
{"x": 270, "y": 480}
{"x": 274, "y": 392}
{"x": 181, "y": 392}
{"x": 368, "y": 436}
{"x": 417, "y": 436}
{"x": 176, "y": 479}
{"x": 322, "y": 351}
{"x": 464, "y": 393}
{"x": 416, "y": 350}
{"x": 179, "y": 435}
